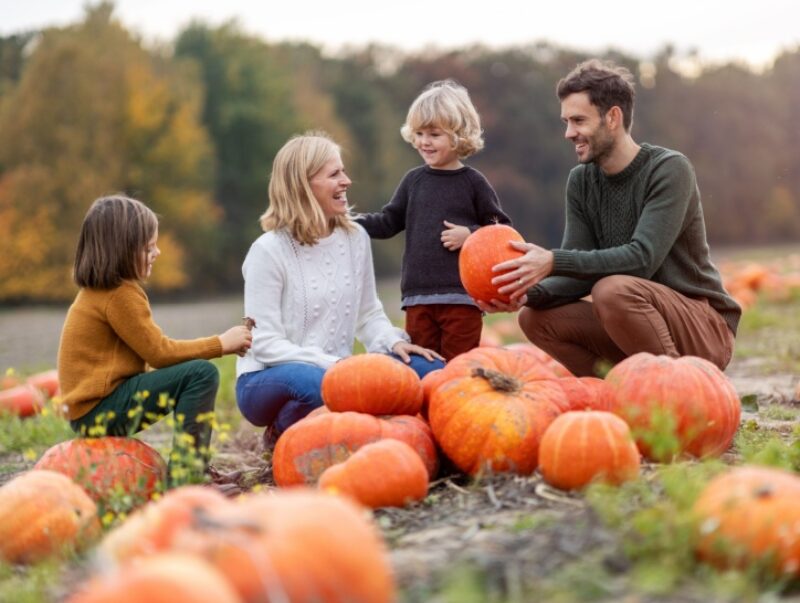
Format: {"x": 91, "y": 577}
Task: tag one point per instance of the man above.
{"x": 634, "y": 241}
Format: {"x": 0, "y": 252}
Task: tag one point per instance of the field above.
{"x": 514, "y": 539}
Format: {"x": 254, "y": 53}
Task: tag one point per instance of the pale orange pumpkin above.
{"x": 375, "y": 384}
{"x": 582, "y": 446}
{"x": 481, "y": 251}
{"x": 751, "y": 514}
{"x": 312, "y": 445}
{"x": 107, "y": 465}
{"x": 493, "y": 416}
{"x": 386, "y": 473}
{"x": 688, "y": 391}
{"x": 22, "y": 400}
{"x": 43, "y": 513}
{"x": 164, "y": 578}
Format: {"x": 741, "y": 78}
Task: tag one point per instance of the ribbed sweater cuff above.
{"x": 563, "y": 262}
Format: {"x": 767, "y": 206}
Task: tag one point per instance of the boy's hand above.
{"x": 236, "y": 340}
{"x": 453, "y": 236}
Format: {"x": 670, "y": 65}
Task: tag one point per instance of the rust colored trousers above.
{"x": 450, "y": 329}
{"x": 627, "y": 315}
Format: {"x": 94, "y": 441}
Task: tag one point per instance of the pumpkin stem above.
{"x": 499, "y": 381}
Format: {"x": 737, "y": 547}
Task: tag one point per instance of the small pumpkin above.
{"x": 43, "y": 514}
{"x": 312, "y": 445}
{"x": 164, "y": 578}
{"x": 582, "y": 446}
{"x": 107, "y": 465}
{"x": 375, "y": 384}
{"x": 751, "y": 514}
{"x": 689, "y": 393}
{"x": 481, "y": 251}
{"x": 46, "y": 381}
{"x": 494, "y": 416}
{"x": 386, "y": 473}
{"x": 22, "y": 400}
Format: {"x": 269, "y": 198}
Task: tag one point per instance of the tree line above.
{"x": 191, "y": 129}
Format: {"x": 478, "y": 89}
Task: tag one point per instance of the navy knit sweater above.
{"x": 424, "y": 199}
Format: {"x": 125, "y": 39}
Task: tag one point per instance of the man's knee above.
{"x": 611, "y": 288}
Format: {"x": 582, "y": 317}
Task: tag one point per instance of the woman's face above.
{"x": 151, "y": 252}
{"x": 329, "y": 186}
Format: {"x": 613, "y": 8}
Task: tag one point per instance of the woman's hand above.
{"x": 404, "y": 349}
{"x": 453, "y": 236}
{"x": 236, "y": 340}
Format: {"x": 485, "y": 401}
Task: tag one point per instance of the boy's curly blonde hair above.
{"x": 446, "y": 104}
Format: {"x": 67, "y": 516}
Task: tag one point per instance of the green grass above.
{"x": 32, "y": 584}
{"x": 33, "y": 435}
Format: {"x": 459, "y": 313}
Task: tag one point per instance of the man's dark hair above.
{"x": 608, "y": 85}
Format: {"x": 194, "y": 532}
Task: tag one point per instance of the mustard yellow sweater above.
{"x": 108, "y": 337}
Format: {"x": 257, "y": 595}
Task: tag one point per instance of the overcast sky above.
{"x": 721, "y": 30}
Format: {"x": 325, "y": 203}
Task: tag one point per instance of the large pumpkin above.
{"x": 164, "y": 578}
{"x": 558, "y": 369}
{"x": 494, "y": 417}
{"x": 587, "y": 393}
{"x": 481, "y": 251}
{"x": 108, "y": 465}
{"x": 152, "y": 528}
{"x": 582, "y": 446}
{"x": 386, "y": 473}
{"x": 686, "y": 405}
{"x": 748, "y": 515}
{"x": 43, "y": 513}
{"x": 375, "y": 384}
{"x": 22, "y": 400}
{"x": 312, "y": 445}
{"x": 295, "y": 545}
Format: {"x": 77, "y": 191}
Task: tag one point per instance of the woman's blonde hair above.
{"x": 292, "y": 204}
{"x": 446, "y": 104}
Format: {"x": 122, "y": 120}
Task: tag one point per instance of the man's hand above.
{"x": 453, "y": 236}
{"x": 496, "y": 305}
{"x": 523, "y": 272}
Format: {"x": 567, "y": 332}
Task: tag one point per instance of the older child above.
{"x": 438, "y": 204}
{"x": 109, "y": 337}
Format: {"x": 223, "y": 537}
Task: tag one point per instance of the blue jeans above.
{"x": 282, "y": 395}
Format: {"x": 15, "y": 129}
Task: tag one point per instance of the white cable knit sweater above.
{"x": 311, "y": 302}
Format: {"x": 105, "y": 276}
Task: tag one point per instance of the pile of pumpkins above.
{"x": 776, "y": 281}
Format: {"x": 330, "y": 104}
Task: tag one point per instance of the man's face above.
{"x": 586, "y": 128}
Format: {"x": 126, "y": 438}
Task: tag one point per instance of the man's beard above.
{"x": 601, "y": 145}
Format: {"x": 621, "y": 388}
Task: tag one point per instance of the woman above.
{"x": 310, "y": 289}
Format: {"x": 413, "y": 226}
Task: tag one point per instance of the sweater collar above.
{"x": 632, "y": 167}
{"x": 460, "y": 170}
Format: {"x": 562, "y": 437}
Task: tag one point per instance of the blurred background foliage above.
{"x": 191, "y": 129}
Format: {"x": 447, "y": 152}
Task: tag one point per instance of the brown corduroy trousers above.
{"x": 450, "y": 329}
{"x": 627, "y": 315}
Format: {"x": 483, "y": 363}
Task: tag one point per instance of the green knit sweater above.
{"x": 645, "y": 221}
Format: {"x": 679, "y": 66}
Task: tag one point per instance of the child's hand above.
{"x": 453, "y": 236}
{"x": 236, "y": 340}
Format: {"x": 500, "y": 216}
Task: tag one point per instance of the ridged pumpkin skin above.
{"x": 375, "y": 384}
{"x": 481, "y": 251}
{"x": 22, "y": 400}
{"x": 295, "y": 545}
{"x": 152, "y": 528}
{"x": 165, "y": 578}
{"x": 312, "y": 445}
{"x": 43, "y": 513}
{"x": 751, "y": 514}
{"x": 105, "y": 465}
{"x": 494, "y": 419}
{"x": 587, "y": 393}
{"x": 582, "y": 446}
{"x": 387, "y": 473}
{"x": 695, "y": 392}
{"x": 554, "y": 365}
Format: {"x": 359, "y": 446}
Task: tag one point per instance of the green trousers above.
{"x": 188, "y": 390}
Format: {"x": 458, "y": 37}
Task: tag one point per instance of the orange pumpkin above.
{"x": 690, "y": 392}
{"x": 312, "y": 445}
{"x": 294, "y": 545}
{"x": 387, "y": 473}
{"x": 751, "y": 514}
{"x": 375, "y": 384}
{"x": 587, "y": 393}
{"x": 152, "y": 528}
{"x": 107, "y": 465}
{"x": 164, "y": 578}
{"x": 429, "y": 383}
{"x": 46, "y": 381}
{"x": 22, "y": 401}
{"x": 581, "y": 446}
{"x": 43, "y": 513}
{"x": 494, "y": 417}
{"x": 9, "y": 380}
{"x": 558, "y": 369}
{"x": 481, "y": 251}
